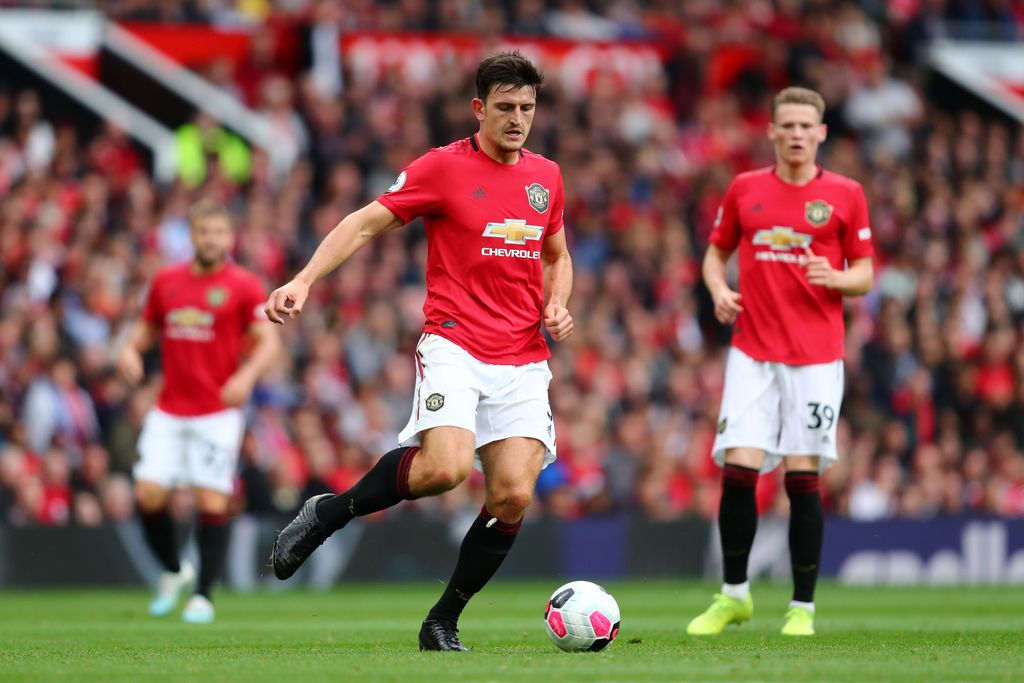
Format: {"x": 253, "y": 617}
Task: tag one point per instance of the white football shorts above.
{"x": 199, "y": 451}
{"x": 454, "y": 389}
{"x": 780, "y": 409}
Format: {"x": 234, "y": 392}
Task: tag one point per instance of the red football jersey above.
{"x": 485, "y": 223}
{"x": 786, "y": 319}
{"x": 202, "y": 321}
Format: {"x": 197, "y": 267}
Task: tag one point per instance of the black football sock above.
{"x": 158, "y": 528}
{"x": 806, "y": 527}
{"x": 213, "y": 548}
{"x": 737, "y": 520}
{"x": 483, "y": 549}
{"x": 385, "y": 485}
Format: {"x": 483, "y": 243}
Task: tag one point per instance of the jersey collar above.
{"x": 476, "y": 148}
{"x": 206, "y": 276}
{"x": 817, "y": 176}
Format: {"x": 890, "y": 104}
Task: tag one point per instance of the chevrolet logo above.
{"x": 514, "y": 230}
{"x": 190, "y": 317}
{"x": 782, "y": 239}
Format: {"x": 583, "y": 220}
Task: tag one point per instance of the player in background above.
{"x": 201, "y": 313}
{"x": 497, "y": 270}
{"x": 804, "y": 242}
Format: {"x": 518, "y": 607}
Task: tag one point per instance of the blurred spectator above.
{"x": 205, "y": 148}
{"x": 57, "y": 409}
{"x": 286, "y": 128}
{"x": 876, "y": 497}
{"x": 33, "y": 135}
{"x": 320, "y": 44}
{"x": 930, "y": 23}
{"x": 572, "y": 19}
{"x": 883, "y": 109}
{"x": 112, "y": 152}
{"x": 117, "y": 498}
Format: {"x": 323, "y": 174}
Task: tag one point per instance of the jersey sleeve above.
{"x": 857, "y": 242}
{"x": 152, "y": 312}
{"x": 253, "y": 300}
{"x": 557, "y": 219}
{"x": 725, "y": 234}
{"x": 415, "y": 192}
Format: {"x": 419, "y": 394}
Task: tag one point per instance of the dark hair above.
{"x": 506, "y": 68}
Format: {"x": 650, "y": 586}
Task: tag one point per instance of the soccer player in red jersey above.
{"x": 201, "y": 312}
{"x": 497, "y": 269}
{"x": 804, "y": 242}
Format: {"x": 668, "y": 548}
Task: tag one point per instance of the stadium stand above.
{"x": 933, "y": 423}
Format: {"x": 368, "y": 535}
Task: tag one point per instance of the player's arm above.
{"x": 727, "y": 301}
{"x": 557, "y": 285}
{"x": 267, "y": 346}
{"x": 141, "y": 339}
{"x": 347, "y": 237}
{"x": 856, "y": 280}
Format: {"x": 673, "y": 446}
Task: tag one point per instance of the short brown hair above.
{"x": 207, "y": 208}
{"x": 799, "y": 96}
{"x": 506, "y": 68}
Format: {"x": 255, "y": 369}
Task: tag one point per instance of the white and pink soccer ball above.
{"x": 582, "y": 616}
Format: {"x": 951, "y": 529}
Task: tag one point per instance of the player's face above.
{"x": 506, "y": 116}
{"x": 796, "y": 133}
{"x": 212, "y": 238}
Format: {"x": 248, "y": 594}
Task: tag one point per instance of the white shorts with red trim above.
{"x": 495, "y": 402}
{"x": 199, "y": 451}
{"x": 780, "y": 409}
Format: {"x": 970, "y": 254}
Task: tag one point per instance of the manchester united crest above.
{"x": 216, "y": 296}
{"x": 538, "y": 196}
{"x": 818, "y": 212}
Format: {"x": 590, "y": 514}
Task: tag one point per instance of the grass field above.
{"x": 368, "y": 633}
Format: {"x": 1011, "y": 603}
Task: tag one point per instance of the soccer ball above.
{"x": 582, "y": 616}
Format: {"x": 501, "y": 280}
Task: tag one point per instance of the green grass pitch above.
{"x": 368, "y": 633}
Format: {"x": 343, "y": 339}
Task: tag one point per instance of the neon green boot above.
{"x": 723, "y": 611}
{"x": 799, "y": 622}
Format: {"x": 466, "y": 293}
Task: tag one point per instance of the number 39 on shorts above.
{"x": 820, "y": 414}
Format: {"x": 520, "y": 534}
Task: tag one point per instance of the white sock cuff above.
{"x": 739, "y": 591}
{"x": 809, "y": 606}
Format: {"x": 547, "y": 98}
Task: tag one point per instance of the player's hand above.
{"x": 236, "y": 390}
{"x": 557, "y": 321}
{"x": 286, "y": 302}
{"x": 129, "y": 364}
{"x": 727, "y": 305}
{"x": 819, "y": 271}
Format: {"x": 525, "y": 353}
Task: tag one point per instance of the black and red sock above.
{"x": 158, "y": 528}
{"x": 213, "y": 549}
{"x": 737, "y": 520}
{"x": 483, "y": 550}
{"x": 806, "y": 529}
{"x": 386, "y": 484}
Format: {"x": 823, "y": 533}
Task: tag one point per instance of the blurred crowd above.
{"x": 577, "y": 19}
{"x": 933, "y": 420}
